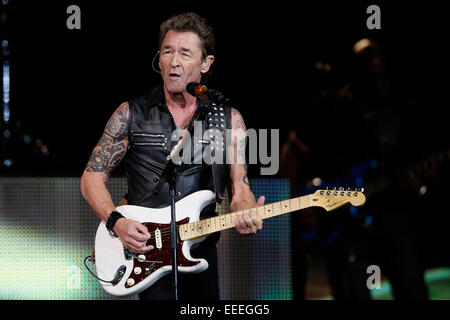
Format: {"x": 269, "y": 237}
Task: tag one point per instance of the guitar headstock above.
{"x": 333, "y": 199}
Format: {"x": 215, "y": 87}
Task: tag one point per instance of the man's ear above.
{"x": 206, "y": 64}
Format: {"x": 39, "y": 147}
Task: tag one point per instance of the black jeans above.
{"x": 191, "y": 286}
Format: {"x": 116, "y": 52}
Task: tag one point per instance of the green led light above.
{"x": 35, "y": 265}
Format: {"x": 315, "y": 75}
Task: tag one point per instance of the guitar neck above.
{"x": 226, "y": 221}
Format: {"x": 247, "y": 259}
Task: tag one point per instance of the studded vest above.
{"x": 150, "y": 136}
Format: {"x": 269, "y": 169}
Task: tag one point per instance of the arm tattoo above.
{"x": 112, "y": 146}
{"x": 238, "y": 121}
{"x": 239, "y": 125}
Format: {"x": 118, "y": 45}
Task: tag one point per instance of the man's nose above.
{"x": 175, "y": 61}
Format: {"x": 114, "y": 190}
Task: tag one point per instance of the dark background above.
{"x": 66, "y": 83}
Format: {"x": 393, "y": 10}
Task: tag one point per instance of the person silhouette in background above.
{"x": 380, "y": 141}
{"x": 372, "y": 141}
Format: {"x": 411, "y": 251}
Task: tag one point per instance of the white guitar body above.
{"x": 135, "y": 273}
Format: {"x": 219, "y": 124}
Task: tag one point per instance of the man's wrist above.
{"x": 111, "y": 222}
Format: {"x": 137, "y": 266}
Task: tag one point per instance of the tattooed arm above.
{"x": 241, "y": 195}
{"x": 106, "y": 156}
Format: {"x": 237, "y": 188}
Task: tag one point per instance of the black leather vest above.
{"x": 150, "y": 129}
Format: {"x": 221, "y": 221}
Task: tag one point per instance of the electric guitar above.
{"x": 129, "y": 273}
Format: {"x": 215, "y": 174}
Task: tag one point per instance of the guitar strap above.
{"x": 218, "y": 121}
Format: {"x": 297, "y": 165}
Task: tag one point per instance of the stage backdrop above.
{"x": 47, "y": 229}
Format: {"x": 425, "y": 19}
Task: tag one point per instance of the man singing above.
{"x": 140, "y": 131}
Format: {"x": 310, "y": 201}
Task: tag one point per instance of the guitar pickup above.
{"x": 158, "y": 239}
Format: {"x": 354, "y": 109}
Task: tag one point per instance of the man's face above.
{"x": 181, "y": 60}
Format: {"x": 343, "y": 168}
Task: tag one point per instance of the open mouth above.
{"x": 174, "y": 76}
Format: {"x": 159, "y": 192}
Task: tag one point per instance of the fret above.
{"x": 223, "y": 223}
{"x": 204, "y": 224}
{"x": 295, "y": 204}
{"x": 268, "y": 211}
{"x": 234, "y": 216}
{"x": 230, "y": 220}
{"x": 215, "y": 223}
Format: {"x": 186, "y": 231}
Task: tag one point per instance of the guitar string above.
{"x": 274, "y": 207}
{"x": 265, "y": 211}
{"x": 278, "y": 205}
{"x": 166, "y": 231}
